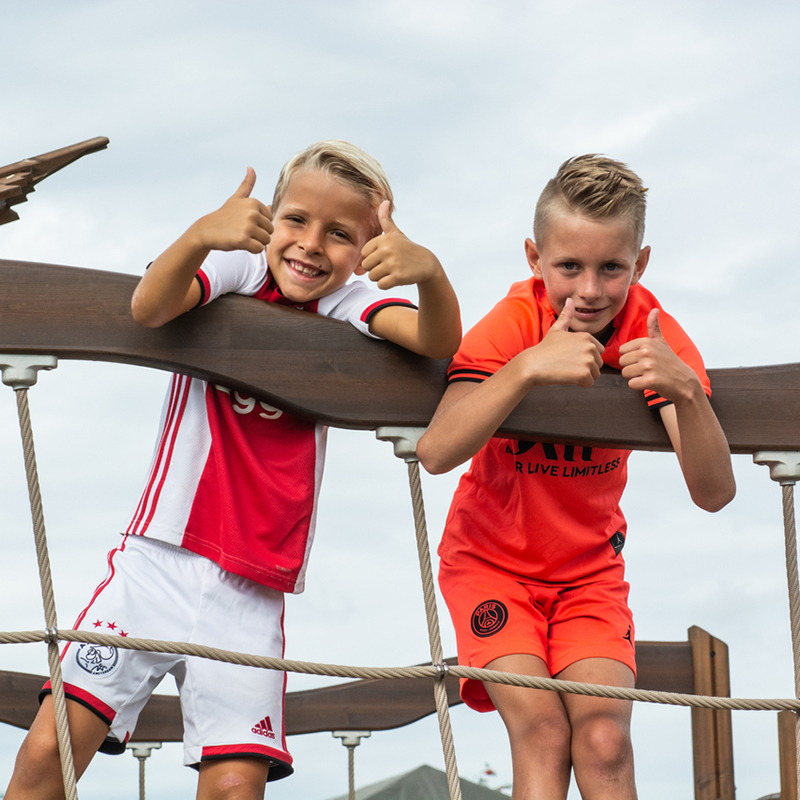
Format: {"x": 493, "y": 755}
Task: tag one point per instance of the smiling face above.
{"x": 595, "y": 262}
{"x": 321, "y": 225}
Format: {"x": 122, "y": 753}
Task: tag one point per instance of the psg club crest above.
{"x": 97, "y": 660}
{"x": 489, "y": 618}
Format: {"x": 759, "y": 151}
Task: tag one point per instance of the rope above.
{"x": 429, "y": 672}
{"x": 438, "y": 670}
{"x": 351, "y": 770}
{"x": 790, "y": 534}
{"x": 141, "y": 776}
{"x": 48, "y": 597}
{"x": 437, "y": 657}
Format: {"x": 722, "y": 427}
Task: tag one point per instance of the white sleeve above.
{"x": 236, "y": 271}
{"x": 356, "y": 303}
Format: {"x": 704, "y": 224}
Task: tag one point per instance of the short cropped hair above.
{"x": 346, "y": 163}
{"x": 596, "y": 187}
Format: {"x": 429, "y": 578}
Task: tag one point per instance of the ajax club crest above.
{"x": 97, "y": 660}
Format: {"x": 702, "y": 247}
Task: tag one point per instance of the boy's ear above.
{"x": 359, "y": 270}
{"x": 534, "y": 259}
{"x": 641, "y": 264}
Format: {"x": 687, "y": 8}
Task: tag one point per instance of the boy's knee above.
{"x": 233, "y": 779}
{"x": 544, "y": 732}
{"x": 604, "y": 743}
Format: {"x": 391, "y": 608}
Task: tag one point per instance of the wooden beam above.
{"x": 372, "y": 704}
{"x": 324, "y": 369}
{"x": 787, "y": 751}
{"x": 17, "y": 180}
{"x": 712, "y": 737}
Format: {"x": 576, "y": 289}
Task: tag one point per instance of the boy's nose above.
{"x": 590, "y": 286}
{"x": 311, "y": 241}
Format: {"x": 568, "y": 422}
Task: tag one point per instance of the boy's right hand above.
{"x": 564, "y": 356}
{"x": 241, "y": 223}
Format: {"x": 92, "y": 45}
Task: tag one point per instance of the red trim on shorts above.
{"x": 105, "y": 712}
{"x": 228, "y": 750}
{"x": 100, "y": 587}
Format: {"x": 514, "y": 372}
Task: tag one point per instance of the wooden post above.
{"x": 787, "y": 750}
{"x": 712, "y": 736}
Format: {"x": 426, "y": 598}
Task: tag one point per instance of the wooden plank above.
{"x": 324, "y": 369}
{"x": 665, "y": 667}
{"x": 17, "y": 180}
{"x": 356, "y": 705}
{"x": 787, "y": 750}
{"x": 711, "y": 729}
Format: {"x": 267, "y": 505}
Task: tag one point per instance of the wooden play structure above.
{"x": 323, "y": 369}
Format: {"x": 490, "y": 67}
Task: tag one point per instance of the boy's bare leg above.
{"x": 233, "y": 779}
{"x": 538, "y": 730}
{"x": 602, "y": 753}
{"x": 37, "y": 772}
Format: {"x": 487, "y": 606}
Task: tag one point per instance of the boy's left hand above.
{"x": 392, "y": 259}
{"x": 650, "y": 363}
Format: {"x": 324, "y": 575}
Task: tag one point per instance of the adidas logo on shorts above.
{"x": 264, "y": 728}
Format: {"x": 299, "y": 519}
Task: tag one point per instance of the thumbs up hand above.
{"x": 392, "y": 259}
{"x": 564, "y": 356}
{"x": 241, "y": 223}
{"x": 650, "y": 363}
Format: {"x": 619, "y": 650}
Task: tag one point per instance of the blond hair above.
{"x": 346, "y": 163}
{"x": 596, "y": 187}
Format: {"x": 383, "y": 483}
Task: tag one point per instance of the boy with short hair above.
{"x": 531, "y": 567}
{"x": 226, "y": 519}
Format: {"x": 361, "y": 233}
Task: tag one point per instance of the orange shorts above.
{"x": 496, "y": 613}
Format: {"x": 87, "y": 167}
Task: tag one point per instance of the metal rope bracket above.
{"x": 22, "y": 372}
{"x": 784, "y": 466}
{"x": 404, "y": 440}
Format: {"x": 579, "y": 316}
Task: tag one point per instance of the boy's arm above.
{"x": 470, "y": 413}
{"x": 168, "y": 288}
{"x": 392, "y": 259}
{"x": 691, "y": 424}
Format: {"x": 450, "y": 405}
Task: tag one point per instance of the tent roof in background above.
{"x": 422, "y": 783}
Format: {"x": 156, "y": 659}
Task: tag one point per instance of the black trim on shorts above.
{"x": 277, "y": 769}
{"x": 202, "y": 291}
{"x": 111, "y": 746}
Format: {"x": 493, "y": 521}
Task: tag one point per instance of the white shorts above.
{"x": 155, "y": 590}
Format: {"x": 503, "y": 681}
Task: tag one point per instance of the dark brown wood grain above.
{"x": 324, "y": 369}
{"x": 18, "y": 180}
{"x": 372, "y": 704}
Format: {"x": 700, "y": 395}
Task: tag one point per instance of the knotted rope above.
{"x": 46, "y": 580}
{"x": 437, "y": 671}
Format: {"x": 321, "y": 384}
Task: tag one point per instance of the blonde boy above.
{"x": 226, "y": 519}
{"x": 531, "y": 564}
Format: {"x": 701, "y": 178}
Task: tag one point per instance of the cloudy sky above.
{"x": 470, "y": 106}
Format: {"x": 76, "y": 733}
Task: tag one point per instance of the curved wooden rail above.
{"x": 324, "y": 369}
{"x": 371, "y": 704}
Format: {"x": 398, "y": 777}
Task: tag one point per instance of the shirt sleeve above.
{"x": 357, "y": 304}
{"x": 509, "y": 328}
{"x": 237, "y": 271}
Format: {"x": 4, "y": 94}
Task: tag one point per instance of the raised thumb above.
{"x": 246, "y": 186}
{"x": 565, "y": 317}
{"x": 385, "y": 218}
{"x": 653, "y": 325}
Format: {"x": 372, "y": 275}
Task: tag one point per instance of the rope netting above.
{"x": 405, "y": 444}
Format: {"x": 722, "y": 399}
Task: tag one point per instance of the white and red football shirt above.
{"x": 233, "y": 478}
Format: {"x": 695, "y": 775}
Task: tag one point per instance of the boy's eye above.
{"x": 612, "y": 267}
{"x": 569, "y": 266}
{"x": 341, "y": 235}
